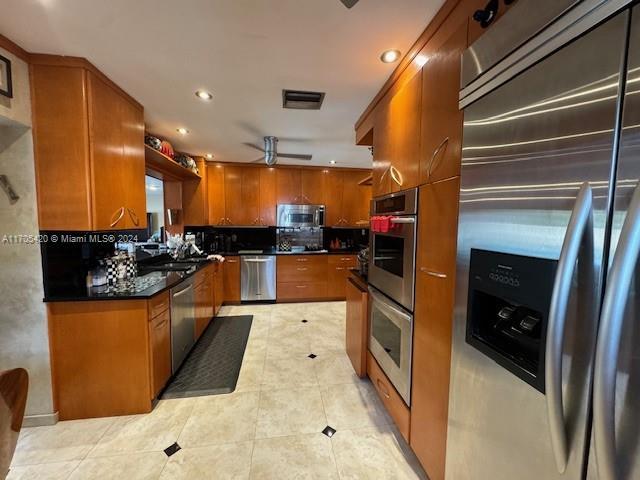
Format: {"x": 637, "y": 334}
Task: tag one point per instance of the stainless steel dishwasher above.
{"x": 257, "y": 278}
{"x": 182, "y": 322}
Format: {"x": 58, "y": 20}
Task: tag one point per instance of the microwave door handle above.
{"x": 609, "y": 337}
{"x": 316, "y": 217}
{"x": 579, "y": 237}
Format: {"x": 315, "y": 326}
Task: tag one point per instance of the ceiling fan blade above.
{"x": 294, "y": 156}
{"x": 255, "y": 147}
{"x": 349, "y": 3}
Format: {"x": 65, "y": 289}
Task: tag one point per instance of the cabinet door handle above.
{"x": 396, "y": 175}
{"x": 345, "y": 259}
{"x": 339, "y": 268}
{"x": 382, "y": 388}
{"x": 229, "y": 222}
{"x": 158, "y": 326}
{"x": 221, "y": 222}
{"x": 302, "y": 269}
{"x": 384, "y": 174}
{"x": 120, "y": 215}
{"x": 232, "y": 261}
{"x": 134, "y": 217}
{"x": 442, "y": 145}
{"x": 432, "y": 273}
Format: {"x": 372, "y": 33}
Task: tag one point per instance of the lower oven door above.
{"x": 390, "y": 339}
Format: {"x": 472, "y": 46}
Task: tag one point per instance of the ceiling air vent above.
{"x": 302, "y": 100}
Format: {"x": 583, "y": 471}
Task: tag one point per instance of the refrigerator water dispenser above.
{"x": 508, "y": 306}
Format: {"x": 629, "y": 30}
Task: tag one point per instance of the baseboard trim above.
{"x": 40, "y": 420}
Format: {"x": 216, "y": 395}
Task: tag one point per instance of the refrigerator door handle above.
{"x": 579, "y": 237}
{"x": 609, "y": 336}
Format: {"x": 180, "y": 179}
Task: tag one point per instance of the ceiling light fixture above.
{"x": 332, "y": 162}
{"x": 390, "y": 56}
{"x": 209, "y": 156}
{"x": 182, "y": 131}
{"x": 204, "y": 95}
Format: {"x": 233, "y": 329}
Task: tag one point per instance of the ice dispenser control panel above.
{"x": 508, "y": 306}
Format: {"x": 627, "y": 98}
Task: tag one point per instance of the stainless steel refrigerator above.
{"x": 545, "y": 380}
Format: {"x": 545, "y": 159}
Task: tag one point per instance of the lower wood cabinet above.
{"x": 218, "y": 287}
{"x": 389, "y": 396}
{"x": 160, "y": 345}
{"x": 301, "y": 277}
{"x": 357, "y": 324}
{"x": 338, "y": 271}
{"x": 204, "y": 299}
{"x": 231, "y": 271}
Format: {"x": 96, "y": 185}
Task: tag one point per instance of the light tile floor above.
{"x": 269, "y": 428}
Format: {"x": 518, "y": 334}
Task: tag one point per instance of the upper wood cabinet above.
{"x": 195, "y": 204}
{"x": 89, "y": 148}
{"x": 396, "y": 138}
{"x": 216, "y": 194}
{"x": 268, "y": 196}
{"x": 288, "y": 185}
{"x": 405, "y": 112}
{"x": 311, "y": 187}
{"x": 234, "y": 212}
{"x": 346, "y": 201}
{"x": 441, "y": 117}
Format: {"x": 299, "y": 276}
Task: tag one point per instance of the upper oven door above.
{"x": 300, "y": 216}
{"x": 392, "y": 261}
{"x": 398, "y": 203}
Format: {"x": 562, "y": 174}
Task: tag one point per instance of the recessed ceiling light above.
{"x": 182, "y": 131}
{"x": 390, "y": 56}
{"x": 209, "y": 156}
{"x": 204, "y": 95}
{"x": 332, "y": 162}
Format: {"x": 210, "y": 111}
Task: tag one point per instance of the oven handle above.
{"x": 387, "y": 305}
{"x": 402, "y": 220}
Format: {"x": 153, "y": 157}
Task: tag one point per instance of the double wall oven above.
{"x": 392, "y": 285}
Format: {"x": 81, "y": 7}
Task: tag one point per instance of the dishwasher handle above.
{"x": 183, "y": 291}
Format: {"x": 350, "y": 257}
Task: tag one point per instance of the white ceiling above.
{"x": 243, "y": 51}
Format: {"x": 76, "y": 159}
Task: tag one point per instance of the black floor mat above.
{"x": 213, "y": 366}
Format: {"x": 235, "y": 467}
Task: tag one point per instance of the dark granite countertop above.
{"x": 273, "y": 251}
{"x": 159, "y": 282}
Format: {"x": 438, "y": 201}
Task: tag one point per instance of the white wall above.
{"x": 23, "y": 321}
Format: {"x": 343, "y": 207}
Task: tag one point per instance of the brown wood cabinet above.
{"x": 390, "y": 397}
{"x": 218, "y": 287}
{"x": 195, "y": 203}
{"x": 338, "y": 271}
{"x": 289, "y": 185}
{"x": 311, "y": 186}
{"x": 89, "y": 148}
{"x": 441, "y": 116}
{"x": 268, "y": 196}
{"x": 382, "y": 151}
{"x": 301, "y": 277}
{"x": 216, "y": 194}
{"x": 435, "y": 271}
{"x": 160, "y": 346}
{"x": 231, "y": 271}
{"x": 346, "y": 201}
{"x": 357, "y": 322}
{"x": 100, "y": 358}
{"x": 204, "y": 299}
{"x": 333, "y": 203}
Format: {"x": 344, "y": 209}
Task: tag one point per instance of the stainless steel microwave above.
{"x": 294, "y": 216}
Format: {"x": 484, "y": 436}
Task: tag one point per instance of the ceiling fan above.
{"x": 349, "y": 3}
{"x": 271, "y": 154}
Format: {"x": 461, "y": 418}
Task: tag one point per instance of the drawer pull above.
{"x": 345, "y": 259}
{"x": 339, "y": 268}
{"x": 382, "y": 388}
{"x": 301, "y": 286}
{"x": 432, "y": 273}
{"x": 232, "y": 261}
{"x": 301, "y": 259}
{"x": 302, "y": 269}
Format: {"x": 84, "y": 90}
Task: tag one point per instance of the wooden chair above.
{"x": 14, "y": 385}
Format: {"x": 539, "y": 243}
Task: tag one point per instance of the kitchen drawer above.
{"x": 389, "y": 396}
{"x": 158, "y": 304}
{"x": 342, "y": 260}
{"x": 301, "y": 290}
{"x": 302, "y": 269}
